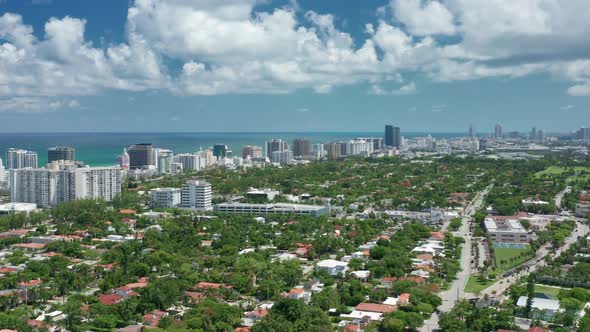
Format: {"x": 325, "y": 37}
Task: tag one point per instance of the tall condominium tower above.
{"x": 123, "y": 160}
{"x": 141, "y": 155}
{"x": 252, "y": 151}
{"x": 275, "y": 145}
{"x": 471, "y": 132}
{"x": 498, "y": 133}
{"x": 16, "y": 158}
{"x": 2, "y": 173}
{"x": 301, "y": 147}
{"x": 392, "y": 136}
{"x": 60, "y": 153}
{"x": 62, "y": 182}
{"x": 220, "y": 150}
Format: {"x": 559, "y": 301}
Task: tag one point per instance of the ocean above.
{"x": 101, "y": 149}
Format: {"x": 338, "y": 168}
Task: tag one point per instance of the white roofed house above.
{"x": 333, "y": 267}
{"x": 543, "y": 309}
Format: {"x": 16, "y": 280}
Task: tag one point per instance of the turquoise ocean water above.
{"x": 101, "y": 149}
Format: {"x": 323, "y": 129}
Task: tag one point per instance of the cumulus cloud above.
{"x": 231, "y": 46}
{"x": 424, "y": 17}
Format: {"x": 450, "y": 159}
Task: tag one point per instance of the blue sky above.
{"x": 246, "y": 65}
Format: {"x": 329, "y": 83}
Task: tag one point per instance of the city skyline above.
{"x": 426, "y": 67}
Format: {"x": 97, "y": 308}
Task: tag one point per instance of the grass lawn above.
{"x": 473, "y": 285}
{"x": 506, "y": 254}
{"x": 556, "y": 170}
{"x": 549, "y": 291}
{"x": 552, "y": 170}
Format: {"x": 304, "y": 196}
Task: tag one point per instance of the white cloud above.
{"x": 423, "y": 18}
{"x": 567, "y": 107}
{"x": 230, "y": 46}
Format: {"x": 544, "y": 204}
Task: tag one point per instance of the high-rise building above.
{"x": 196, "y": 195}
{"x": 20, "y": 159}
{"x": 2, "y": 174}
{"x": 359, "y": 147}
{"x": 540, "y": 135}
{"x": 284, "y": 157}
{"x": 498, "y": 133}
{"x": 207, "y": 158}
{"x": 583, "y": 134}
{"x": 62, "y": 182}
{"x": 141, "y": 155}
{"x": 392, "y": 137}
{"x": 165, "y": 159}
{"x": 333, "y": 150}
{"x": 251, "y": 151}
{"x": 483, "y": 143}
{"x": 318, "y": 151}
{"x": 275, "y": 145}
{"x": 61, "y": 153}
{"x": 189, "y": 161}
{"x": 220, "y": 151}
{"x": 533, "y": 134}
{"x": 98, "y": 182}
{"x": 471, "y": 132}
{"x": 123, "y": 160}
{"x": 301, "y": 148}
{"x": 165, "y": 197}
{"x": 377, "y": 143}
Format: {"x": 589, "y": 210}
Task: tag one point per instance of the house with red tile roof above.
{"x": 110, "y": 299}
{"x": 403, "y": 299}
{"x": 375, "y": 307}
{"x": 194, "y": 297}
{"x": 29, "y": 284}
{"x": 387, "y": 281}
{"x": 153, "y": 319}
{"x": 7, "y": 269}
{"x": 31, "y": 246}
{"x": 37, "y": 324}
{"x": 252, "y": 317}
{"x": 440, "y": 236}
{"x": 298, "y": 294}
{"x": 127, "y": 211}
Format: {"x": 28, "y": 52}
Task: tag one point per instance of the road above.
{"x": 455, "y": 292}
{"x": 502, "y": 285}
{"x": 559, "y": 196}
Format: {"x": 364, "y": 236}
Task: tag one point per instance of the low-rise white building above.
{"x": 165, "y": 197}
{"x": 506, "y": 230}
{"x": 333, "y": 267}
{"x": 9, "y": 208}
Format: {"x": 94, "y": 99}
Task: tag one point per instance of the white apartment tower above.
{"x": 62, "y": 182}
{"x": 98, "y": 182}
{"x": 20, "y": 159}
{"x": 2, "y": 173}
{"x": 196, "y": 195}
{"x": 189, "y": 161}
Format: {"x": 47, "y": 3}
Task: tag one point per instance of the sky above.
{"x": 306, "y": 65}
